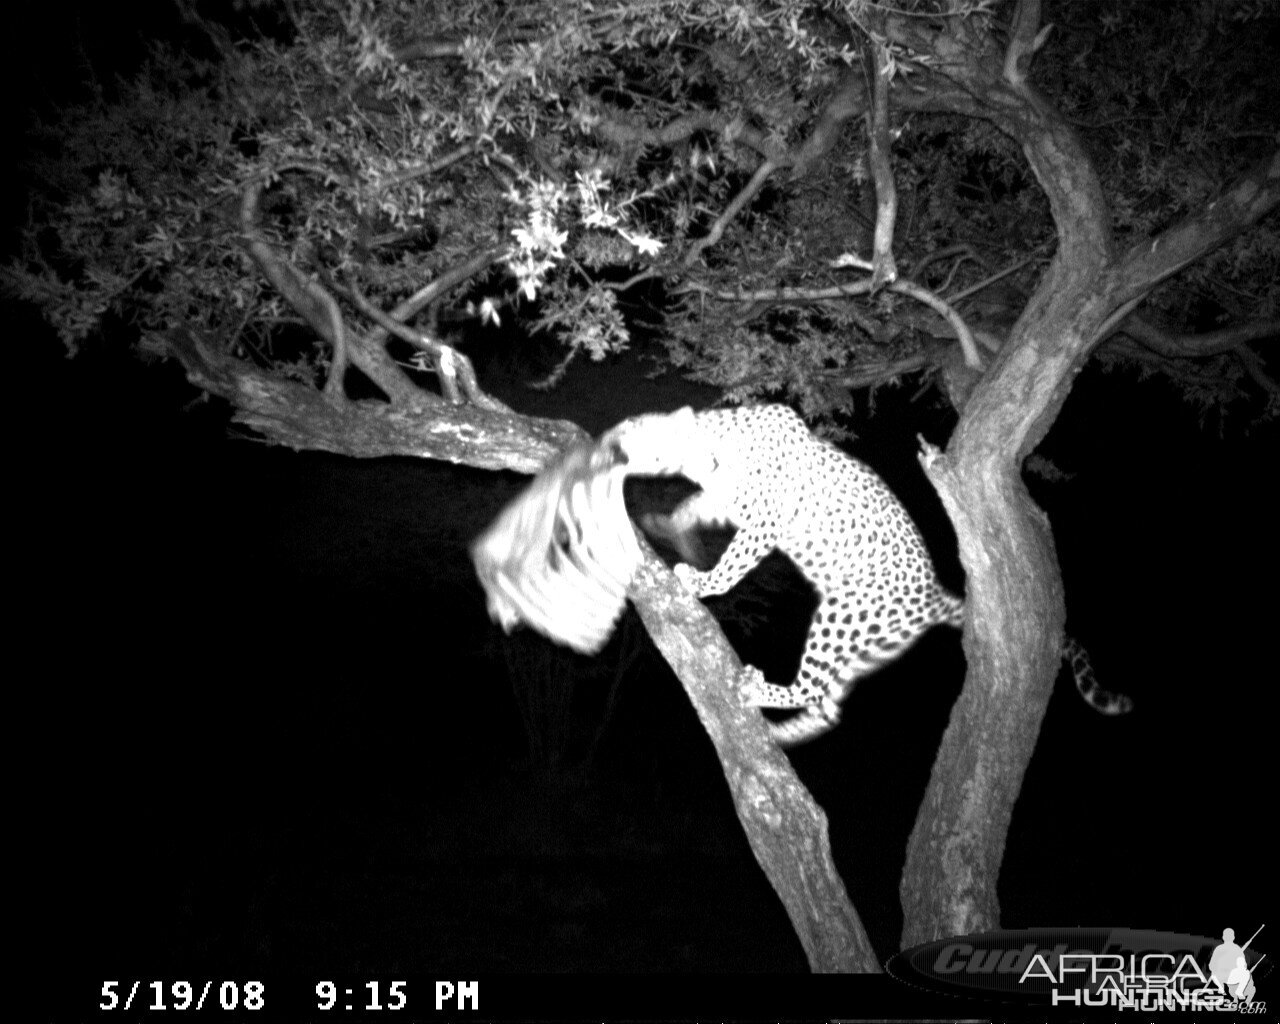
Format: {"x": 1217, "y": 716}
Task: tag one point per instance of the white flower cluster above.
{"x": 540, "y": 240}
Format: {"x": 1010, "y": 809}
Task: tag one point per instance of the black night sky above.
{"x": 262, "y": 721}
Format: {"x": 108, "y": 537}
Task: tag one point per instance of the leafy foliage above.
{"x": 592, "y": 147}
{"x": 1166, "y": 132}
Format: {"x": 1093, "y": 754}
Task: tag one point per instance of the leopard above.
{"x": 760, "y": 469}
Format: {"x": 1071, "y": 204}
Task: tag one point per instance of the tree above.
{"x": 815, "y": 199}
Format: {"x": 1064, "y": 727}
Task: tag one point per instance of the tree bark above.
{"x": 785, "y": 827}
{"x": 1015, "y": 606}
{"x": 297, "y": 415}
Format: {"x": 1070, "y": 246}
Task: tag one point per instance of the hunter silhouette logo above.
{"x": 1229, "y": 969}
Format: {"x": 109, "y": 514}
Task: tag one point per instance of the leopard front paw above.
{"x": 754, "y": 688}
{"x": 687, "y": 575}
{"x": 757, "y": 693}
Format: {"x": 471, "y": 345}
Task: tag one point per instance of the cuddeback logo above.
{"x": 1117, "y": 968}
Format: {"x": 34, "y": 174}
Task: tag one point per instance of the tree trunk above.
{"x": 785, "y": 827}
{"x": 1012, "y": 642}
{"x": 1015, "y": 609}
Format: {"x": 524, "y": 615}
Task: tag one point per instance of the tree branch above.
{"x": 880, "y": 68}
{"x": 317, "y": 307}
{"x": 866, "y": 286}
{"x": 429, "y": 293}
{"x": 785, "y": 827}
{"x": 971, "y": 357}
{"x": 1024, "y": 41}
{"x": 1173, "y": 345}
{"x": 732, "y": 210}
{"x": 1257, "y": 372}
{"x": 452, "y": 367}
{"x": 299, "y": 416}
{"x": 1250, "y": 198}
{"x": 871, "y": 372}
{"x": 848, "y": 101}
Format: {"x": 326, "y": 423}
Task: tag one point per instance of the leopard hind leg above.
{"x": 849, "y": 638}
{"x": 845, "y": 643}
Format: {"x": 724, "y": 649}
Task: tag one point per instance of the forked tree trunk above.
{"x": 1014, "y": 593}
{"x": 1012, "y": 641}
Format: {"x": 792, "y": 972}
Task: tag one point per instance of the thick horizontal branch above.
{"x": 299, "y": 416}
